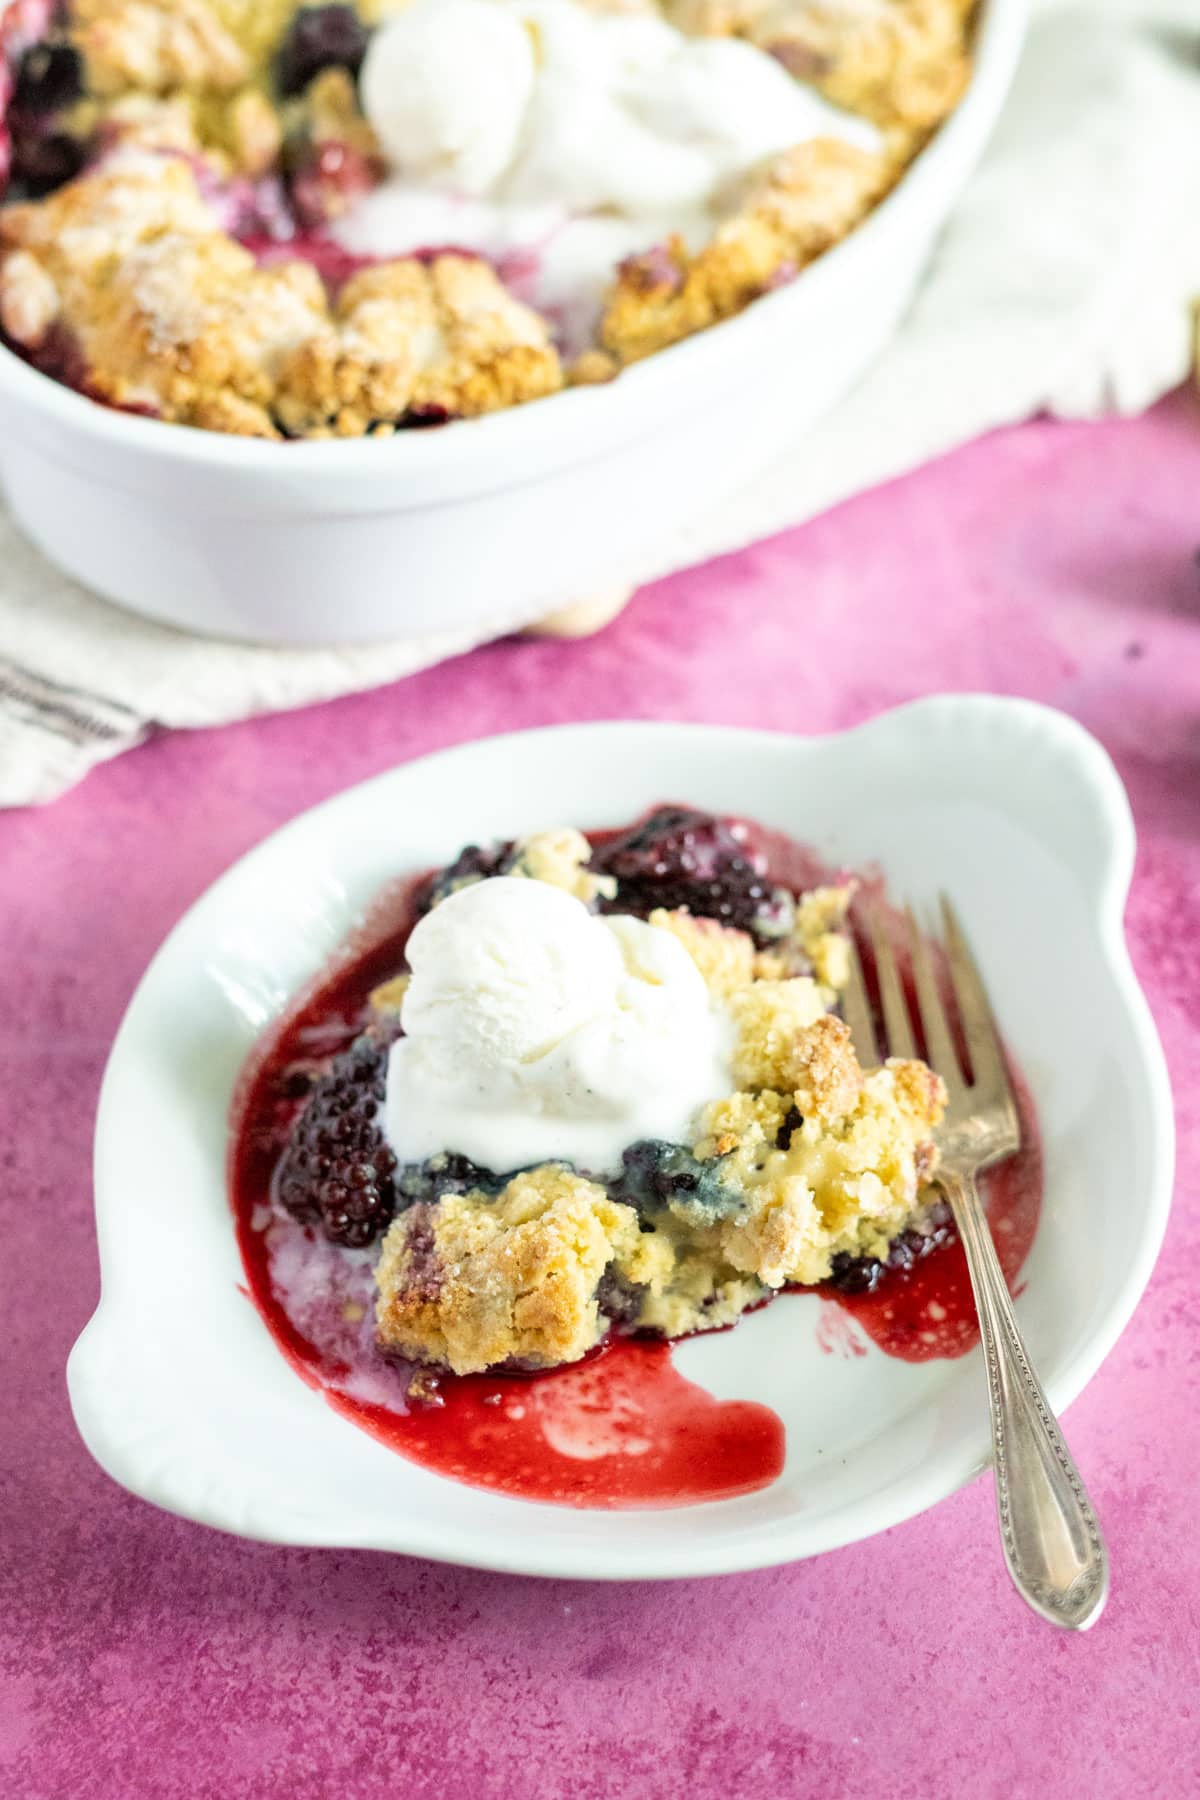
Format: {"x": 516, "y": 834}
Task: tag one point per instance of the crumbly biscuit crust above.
{"x": 724, "y": 956}
{"x": 561, "y": 858}
{"x": 157, "y": 46}
{"x": 810, "y": 1159}
{"x": 171, "y": 316}
{"x": 474, "y": 1282}
{"x": 780, "y": 219}
{"x": 901, "y": 63}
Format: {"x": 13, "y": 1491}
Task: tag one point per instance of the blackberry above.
{"x": 446, "y": 1173}
{"x": 319, "y": 37}
{"x": 49, "y": 78}
{"x": 427, "y": 418}
{"x": 681, "y": 858}
{"x": 862, "y": 1274}
{"x": 45, "y": 160}
{"x": 297, "y": 1081}
{"x": 657, "y": 1173}
{"x": 337, "y": 1170}
{"x": 476, "y": 863}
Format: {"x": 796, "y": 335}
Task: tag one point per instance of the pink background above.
{"x": 142, "y": 1656}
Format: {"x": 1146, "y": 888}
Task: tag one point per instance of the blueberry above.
{"x": 618, "y": 1299}
{"x": 446, "y": 1173}
{"x": 656, "y": 1173}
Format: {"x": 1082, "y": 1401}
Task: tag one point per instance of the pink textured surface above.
{"x": 142, "y": 1656}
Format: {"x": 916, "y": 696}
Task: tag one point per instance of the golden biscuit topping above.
{"x": 474, "y": 1282}
{"x": 772, "y": 1018}
{"x": 157, "y": 46}
{"x": 561, "y": 857}
{"x": 810, "y": 1159}
{"x": 779, "y": 219}
{"x": 172, "y": 316}
{"x": 897, "y": 62}
{"x": 724, "y": 956}
{"x": 820, "y": 931}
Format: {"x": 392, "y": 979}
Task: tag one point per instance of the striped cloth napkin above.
{"x": 1062, "y": 284}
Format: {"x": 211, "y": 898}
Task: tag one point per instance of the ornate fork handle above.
{"x": 1052, "y": 1543}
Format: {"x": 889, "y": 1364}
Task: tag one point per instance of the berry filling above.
{"x": 323, "y": 180}
{"x": 441, "y": 1175}
{"x": 474, "y": 863}
{"x": 678, "y": 858}
{"x": 862, "y": 1274}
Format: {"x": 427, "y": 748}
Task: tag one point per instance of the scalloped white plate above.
{"x": 182, "y": 1396}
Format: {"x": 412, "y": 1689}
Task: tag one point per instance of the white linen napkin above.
{"x": 1063, "y": 283}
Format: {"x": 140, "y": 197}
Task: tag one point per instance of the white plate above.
{"x": 183, "y": 1397}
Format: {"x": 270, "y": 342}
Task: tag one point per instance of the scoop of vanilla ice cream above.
{"x": 399, "y": 216}
{"x": 445, "y": 85}
{"x": 631, "y": 114}
{"x": 583, "y": 145}
{"x": 545, "y": 102}
{"x": 736, "y": 102}
{"x": 557, "y": 140}
{"x": 536, "y": 1031}
{"x": 501, "y": 972}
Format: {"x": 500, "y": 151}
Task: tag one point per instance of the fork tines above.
{"x": 986, "y": 1080}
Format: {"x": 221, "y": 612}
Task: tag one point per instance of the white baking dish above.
{"x": 487, "y": 524}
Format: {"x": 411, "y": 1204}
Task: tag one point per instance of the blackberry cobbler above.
{"x": 597, "y": 1087}
{"x": 305, "y": 221}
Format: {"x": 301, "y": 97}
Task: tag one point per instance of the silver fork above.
{"x": 1052, "y": 1543}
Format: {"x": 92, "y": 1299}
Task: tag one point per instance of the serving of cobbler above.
{"x": 572, "y": 1098}
{"x": 310, "y": 221}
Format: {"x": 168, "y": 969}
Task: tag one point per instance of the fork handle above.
{"x": 1052, "y": 1544}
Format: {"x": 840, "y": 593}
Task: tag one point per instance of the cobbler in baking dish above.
{"x": 309, "y": 221}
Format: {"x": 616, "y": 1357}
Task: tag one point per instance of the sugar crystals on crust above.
{"x": 171, "y": 316}
{"x": 473, "y": 1281}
